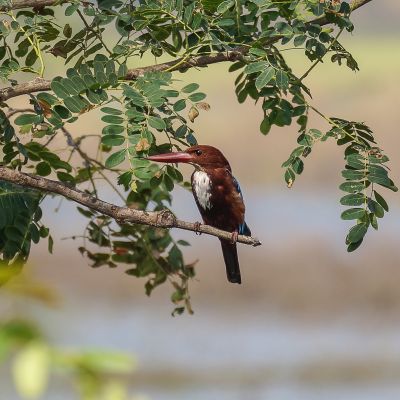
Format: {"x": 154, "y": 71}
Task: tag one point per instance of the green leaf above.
{"x": 195, "y": 97}
{"x": 62, "y": 111}
{"x": 377, "y": 170}
{"x": 298, "y": 165}
{"x": 50, "y": 244}
{"x": 110, "y": 110}
{"x": 47, "y": 98}
{"x": 284, "y": 28}
{"x": 258, "y": 52}
{"x": 67, "y": 31}
{"x": 353, "y": 213}
{"x": 69, "y": 86}
{"x": 376, "y": 208}
{"x": 356, "y": 161}
{"x": 31, "y": 58}
{"x": 356, "y": 199}
{"x": 157, "y": 123}
{"x": 380, "y": 179}
{"x": 381, "y": 201}
{"x": 65, "y": 177}
{"x": 112, "y": 119}
{"x": 135, "y": 97}
{"x": 71, "y": 9}
{"x": 352, "y": 187}
{"x": 43, "y": 169}
{"x": 354, "y": 246}
{"x": 26, "y": 119}
{"x": 190, "y": 88}
{"x": 225, "y": 6}
{"x": 179, "y": 105}
{"x": 265, "y": 126}
{"x": 373, "y": 220}
{"x": 59, "y": 90}
{"x": 282, "y": 79}
{"x": 113, "y": 129}
{"x": 113, "y": 140}
{"x": 257, "y": 66}
{"x": 353, "y": 174}
{"x": 116, "y": 159}
{"x": 143, "y": 173}
{"x": 122, "y": 71}
{"x": 357, "y": 232}
{"x": 290, "y": 177}
{"x": 74, "y": 104}
{"x": 299, "y": 40}
{"x": 264, "y": 78}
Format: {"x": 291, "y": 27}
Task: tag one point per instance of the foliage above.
{"x": 35, "y": 362}
{"x": 20, "y": 225}
{"x": 145, "y": 111}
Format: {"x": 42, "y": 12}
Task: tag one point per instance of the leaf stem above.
{"x": 320, "y": 58}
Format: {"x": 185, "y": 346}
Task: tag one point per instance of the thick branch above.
{"x": 36, "y": 85}
{"x": 162, "y": 219}
{"x": 199, "y": 61}
{"x": 18, "y": 4}
{"x": 40, "y": 84}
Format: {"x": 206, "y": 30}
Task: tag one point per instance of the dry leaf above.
{"x": 203, "y": 105}
{"x": 120, "y": 250}
{"x": 193, "y": 114}
{"x": 45, "y": 107}
{"x": 142, "y": 145}
{"x": 87, "y": 109}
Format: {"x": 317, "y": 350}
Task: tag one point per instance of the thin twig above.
{"x": 319, "y": 59}
{"x": 98, "y": 35}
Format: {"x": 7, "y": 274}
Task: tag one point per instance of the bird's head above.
{"x": 201, "y": 155}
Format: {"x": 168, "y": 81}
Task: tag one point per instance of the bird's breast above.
{"x": 201, "y": 184}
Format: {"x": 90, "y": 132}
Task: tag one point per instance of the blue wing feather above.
{"x": 243, "y": 228}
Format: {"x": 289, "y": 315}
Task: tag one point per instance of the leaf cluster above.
{"x": 149, "y": 111}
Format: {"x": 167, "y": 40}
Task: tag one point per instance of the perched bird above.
{"x": 218, "y": 197}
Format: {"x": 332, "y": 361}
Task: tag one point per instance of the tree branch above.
{"x": 161, "y": 219}
{"x": 18, "y": 4}
{"x": 354, "y": 6}
{"x": 36, "y": 85}
{"x": 39, "y": 84}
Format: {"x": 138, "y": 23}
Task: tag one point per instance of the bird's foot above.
{"x": 234, "y": 237}
{"x": 197, "y": 226}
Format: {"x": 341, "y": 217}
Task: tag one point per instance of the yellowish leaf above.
{"x": 142, "y": 145}
{"x": 193, "y": 114}
{"x": 133, "y": 186}
{"x": 31, "y": 370}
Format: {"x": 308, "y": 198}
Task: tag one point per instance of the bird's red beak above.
{"x": 176, "y": 157}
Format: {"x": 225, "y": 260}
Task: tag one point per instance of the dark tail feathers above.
{"x": 229, "y": 251}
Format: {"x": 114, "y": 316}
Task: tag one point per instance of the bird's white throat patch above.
{"x": 202, "y": 188}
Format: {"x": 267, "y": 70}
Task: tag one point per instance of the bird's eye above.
{"x": 198, "y": 152}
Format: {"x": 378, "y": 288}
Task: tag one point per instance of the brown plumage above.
{"x": 218, "y": 197}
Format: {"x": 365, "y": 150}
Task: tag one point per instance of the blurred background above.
{"x": 310, "y": 321}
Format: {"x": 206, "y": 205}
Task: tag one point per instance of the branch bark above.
{"x": 40, "y": 84}
{"x": 18, "y": 4}
{"x": 161, "y": 219}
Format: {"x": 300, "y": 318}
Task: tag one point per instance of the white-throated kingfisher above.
{"x": 218, "y": 197}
